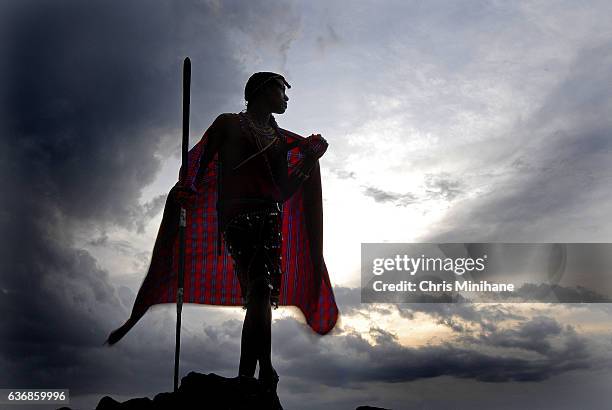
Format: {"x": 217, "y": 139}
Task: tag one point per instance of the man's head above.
{"x": 267, "y": 89}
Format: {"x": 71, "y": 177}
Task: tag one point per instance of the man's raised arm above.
{"x": 313, "y": 148}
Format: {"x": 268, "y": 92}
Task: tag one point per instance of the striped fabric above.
{"x": 209, "y": 275}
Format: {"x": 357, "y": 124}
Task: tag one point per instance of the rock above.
{"x": 370, "y": 408}
{"x": 202, "y": 392}
{"x": 108, "y": 403}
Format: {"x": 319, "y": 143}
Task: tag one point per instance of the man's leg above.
{"x": 248, "y": 352}
{"x": 240, "y": 235}
{"x": 256, "y": 336}
{"x": 256, "y": 333}
{"x": 264, "y": 345}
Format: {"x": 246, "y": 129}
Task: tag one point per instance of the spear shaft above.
{"x": 183, "y": 215}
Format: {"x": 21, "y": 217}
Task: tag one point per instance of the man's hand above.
{"x": 316, "y": 145}
{"x": 182, "y": 195}
{"x": 317, "y": 137}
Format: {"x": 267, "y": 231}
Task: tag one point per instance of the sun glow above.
{"x": 420, "y": 330}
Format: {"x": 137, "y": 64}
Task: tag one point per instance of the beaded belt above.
{"x": 254, "y": 241}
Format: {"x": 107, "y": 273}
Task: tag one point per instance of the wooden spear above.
{"x": 183, "y": 216}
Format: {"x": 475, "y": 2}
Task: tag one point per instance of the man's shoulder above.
{"x": 226, "y": 117}
{"x": 225, "y": 122}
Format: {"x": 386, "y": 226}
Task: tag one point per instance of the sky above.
{"x": 448, "y": 121}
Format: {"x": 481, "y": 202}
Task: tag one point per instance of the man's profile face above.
{"x": 277, "y": 99}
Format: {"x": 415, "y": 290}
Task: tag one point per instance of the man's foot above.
{"x": 252, "y": 388}
{"x": 269, "y": 381}
{"x": 248, "y": 385}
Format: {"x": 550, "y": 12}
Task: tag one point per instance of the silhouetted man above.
{"x": 253, "y": 184}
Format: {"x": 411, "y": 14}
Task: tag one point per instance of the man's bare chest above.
{"x": 242, "y": 144}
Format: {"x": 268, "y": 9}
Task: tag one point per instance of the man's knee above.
{"x": 260, "y": 292}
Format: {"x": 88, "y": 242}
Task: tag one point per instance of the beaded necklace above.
{"x": 269, "y": 133}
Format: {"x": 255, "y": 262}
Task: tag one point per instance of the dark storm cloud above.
{"x": 560, "y": 168}
{"x": 454, "y": 315}
{"x": 216, "y": 350}
{"x": 459, "y": 315}
{"x": 479, "y": 328}
{"x": 533, "y": 335}
{"x": 94, "y": 92}
{"x": 525, "y": 293}
{"x": 55, "y": 304}
{"x": 352, "y": 360}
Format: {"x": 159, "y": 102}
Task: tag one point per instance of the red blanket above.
{"x": 209, "y": 275}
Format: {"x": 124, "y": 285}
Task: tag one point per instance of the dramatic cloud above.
{"x": 94, "y": 95}
{"x": 447, "y": 122}
{"x": 351, "y": 359}
{"x": 558, "y": 172}
{"x": 435, "y": 187}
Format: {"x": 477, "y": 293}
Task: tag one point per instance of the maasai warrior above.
{"x": 257, "y": 187}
